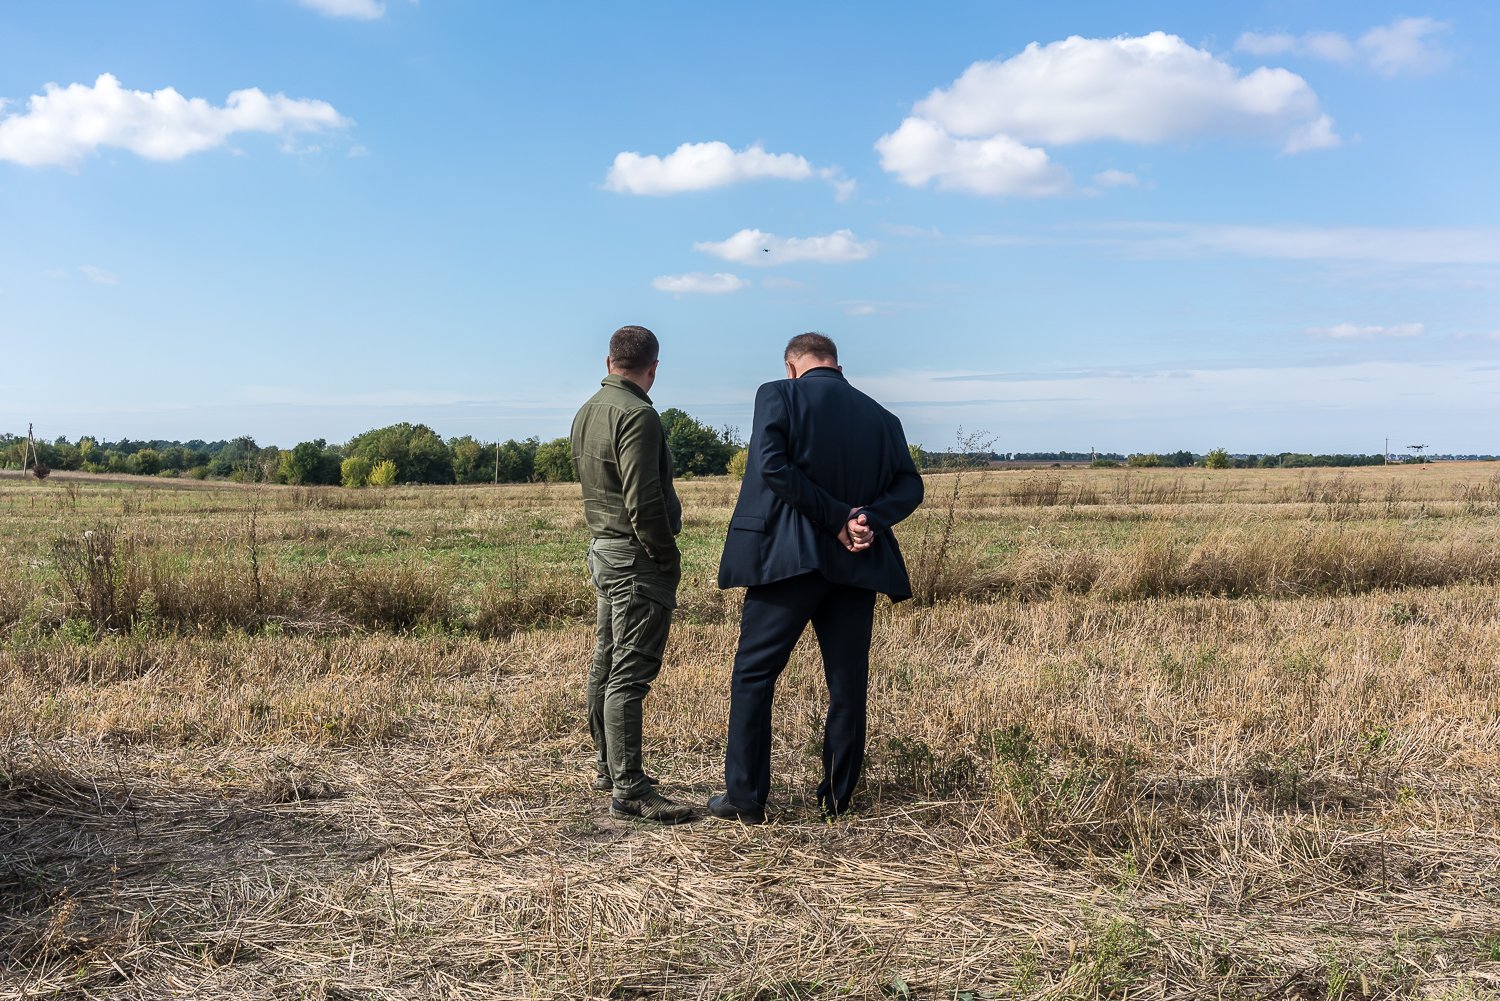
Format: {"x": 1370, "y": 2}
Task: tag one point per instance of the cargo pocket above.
{"x": 657, "y": 588}
{"x": 619, "y": 555}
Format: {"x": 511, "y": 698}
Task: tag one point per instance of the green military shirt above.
{"x": 622, "y": 461}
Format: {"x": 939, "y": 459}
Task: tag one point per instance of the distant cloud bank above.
{"x": 1406, "y": 46}
{"x": 698, "y": 283}
{"x": 360, "y": 10}
{"x": 1350, "y": 331}
{"x": 64, "y": 125}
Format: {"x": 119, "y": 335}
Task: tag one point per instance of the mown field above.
{"x": 1145, "y": 734}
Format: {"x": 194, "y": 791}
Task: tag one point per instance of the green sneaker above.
{"x": 651, "y": 806}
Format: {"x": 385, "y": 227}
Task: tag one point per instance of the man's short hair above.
{"x": 812, "y": 343}
{"x": 633, "y": 348}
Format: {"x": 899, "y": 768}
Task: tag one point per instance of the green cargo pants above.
{"x": 634, "y": 613}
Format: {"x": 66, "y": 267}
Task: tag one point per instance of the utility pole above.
{"x": 28, "y": 455}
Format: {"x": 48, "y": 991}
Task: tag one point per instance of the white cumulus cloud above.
{"x": 1149, "y": 89}
{"x": 63, "y": 125}
{"x": 751, "y": 246}
{"x": 699, "y": 283}
{"x": 361, "y": 10}
{"x": 99, "y": 275}
{"x": 698, "y": 166}
{"x": 921, "y": 151}
{"x": 1352, "y": 331}
{"x": 1408, "y": 45}
{"x": 987, "y": 131}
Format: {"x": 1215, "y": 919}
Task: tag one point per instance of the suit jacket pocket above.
{"x": 744, "y": 550}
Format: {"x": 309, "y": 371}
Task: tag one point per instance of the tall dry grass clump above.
{"x": 1250, "y": 560}
{"x": 117, "y": 582}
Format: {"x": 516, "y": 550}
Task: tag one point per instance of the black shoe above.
{"x": 606, "y": 784}
{"x": 653, "y": 806}
{"x": 720, "y": 807}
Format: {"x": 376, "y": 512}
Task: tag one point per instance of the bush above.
{"x": 355, "y": 471}
{"x": 383, "y": 475}
{"x": 1217, "y": 459}
{"x": 737, "y": 463}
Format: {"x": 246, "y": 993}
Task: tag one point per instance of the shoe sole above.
{"x": 665, "y": 821}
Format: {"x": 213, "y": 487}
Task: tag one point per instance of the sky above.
{"x": 1153, "y": 226}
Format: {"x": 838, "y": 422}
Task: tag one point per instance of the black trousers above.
{"x": 773, "y": 620}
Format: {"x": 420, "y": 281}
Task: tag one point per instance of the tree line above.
{"x": 399, "y": 453}
{"x": 415, "y": 453}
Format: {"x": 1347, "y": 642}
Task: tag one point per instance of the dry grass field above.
{"x": 1145, "y": 734}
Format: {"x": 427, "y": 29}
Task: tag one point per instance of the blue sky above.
{"x": 1148, "y": 226}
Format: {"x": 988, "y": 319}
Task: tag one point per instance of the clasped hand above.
{"x": 857, "y": 535}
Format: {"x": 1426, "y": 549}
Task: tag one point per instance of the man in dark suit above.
{"x": 828, "y": 474}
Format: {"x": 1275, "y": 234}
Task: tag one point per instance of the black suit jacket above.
{"x": 819, "y": 447}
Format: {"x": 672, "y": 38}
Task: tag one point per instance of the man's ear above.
{"x": 791, "y": 370}
{"x": 609, "y": 364}
{"x": 651, "y": 372}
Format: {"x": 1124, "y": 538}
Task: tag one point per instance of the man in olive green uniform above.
{"x": 634, "y": 516}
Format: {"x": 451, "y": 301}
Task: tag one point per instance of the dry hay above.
{"x": 1100, "y": 791}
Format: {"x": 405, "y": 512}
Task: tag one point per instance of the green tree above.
{"x": 696, "y": 448}
{"x": 384, "y": 473}
{"x": 419, "y": 454}
{"x": 554, "y": 461}
{"x": 300, "y": 465}
{"x": 1217, "y": 459}
{"x": 518, "y": 460}
{"x": 237, "y": 455}
{"x": 737, "y": 463}
{"x": 472, "y": 462}
{"x": 66, "y": 456}
{"x": 918, "y": 457}
{"x": 147, "y": 462}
